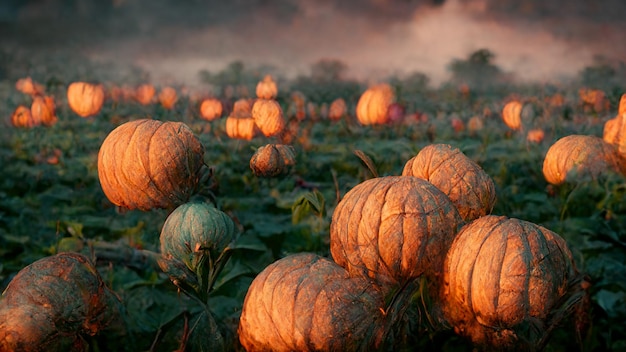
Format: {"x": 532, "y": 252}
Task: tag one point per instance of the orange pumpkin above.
{"x": 85, "y": 99}
{"x": 503, "y": 279}
{"x": 475, "y": 124}
{"x": 28, "y": 86}
{"x": 240, "y": 127}
{"x": 146, "y": 164}
{"x": 512, "y": 114}
{"x": 22, "y": 117}
{"x": 268, "y": 116}
{"x": 580, "y": 157}
{"x": 615, "y": 132}
{"x": 168, "y": 97}
{"x": 211, "y": 109}
{"x": 621, "y": 109}
{"x": 273, "y": 160}
{"x": 535, "y": 135}
{"x": 266, "y": 89}
{"x": 144, "y": 94}
{"x": 373, "y": 105}
{"x": 42, "y": 109}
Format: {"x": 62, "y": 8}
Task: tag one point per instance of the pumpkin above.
{"x": 195, "y": 232}
{"x": 22, "y": 117}
{"x": 144, "y": 94}
{"x": 467, "y": 185}
{"x": 168, "y": 97}
{"x": 242, "y": 108}
{"x": 42, "y": 110}
{"x": 615, "y": 132}
{"x": 85, "y": 99}
{"x": 240, "y": 127}
{"x": 373, "y": 105}
{"x": 512, "y": 114}
{"x": 393, "y": 229}
{"x": 268, "y": 116}
{"x": 211, "y": 109}
{"x": 593, "y": 99}
{"x": 475, "y": 123}
{"x": 53, "y": 303}
{"x": 266, "y": 89}
{"x": 579, "y": 158}
{"x": 305, "y": 302}
{"x": 337, "y": 110}
{"x": 145, "y": 164}
{"x": 621, "y": 109}
{"x": 28, "y": 86}
{"x": 502, "y": 280}
{"x": 272, "y": 160}
{"x": 535, "y": 135}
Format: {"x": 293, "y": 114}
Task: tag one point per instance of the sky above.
{"x": 534, "y": 40}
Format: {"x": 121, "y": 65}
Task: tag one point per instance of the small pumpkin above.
{"x": 241, "y": 127}
{"x": 373, "y": 105}
{"x": 22, "y": 117}
{"x": 145, "y": 93}
{"x": 536, "y": 135}
{"x": 168, "y": 97}
{"x": 266, "y": 89}
{"x": 581, "y": 157}
{"x": 475, "y": 124}
{"x": 195, "y": 232}
{"x": 502, "y": 280}
{"x": 145, "y": 164}
{"x": 614, "y": 132}
{"x": 28, "y": 86}
{"x": 393, "y": 229}
{"x": 43, "y": 109}
{"x": 305, "y": 302}
{"x": 621, "y": 109}
{"x": 85, "y": 99}
{"x": 273, "y": 160}
{"x": 211, "y": 109}
{"x": 337, "y": 110}
{"x": 268, "y": 116}
{"x": 512, "y": 114}
{"x": 467, "y": 185}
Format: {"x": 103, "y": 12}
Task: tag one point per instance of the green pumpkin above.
{"x": 196, "y": 232}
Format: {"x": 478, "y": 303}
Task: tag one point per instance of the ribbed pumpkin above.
{"x": 28, "y": 86}
{"x": 43, "y": 109}
{"x": 85, "y": 99}
{"x": 615, "y": 132}
{"x": 502, "y": 279}
{"x": 268, "y": 116}
{"x": 145, "y": 164}
{"x": 373, "y": 105}
{"x": 272, "y": 160}
{"x": 581, "y": 157}
{"x": 240, "y": 127}
{"x": 23, "y": 118}
{"x": 393, "y": 229}
{"x": 145, "y": 93}
{"x": 512, "y": 114}
{"x": 266, "y": 89}
{"x": 337, "y": 110}
{"x": 211, "y": 109}
{"x": 621, "y": 109}
{"x": 53, "y": 302}
{"x": 305, "y": 302}
{"x": 168, "y": 97}
{"x": 195, "y": 230}
{"x": 467, "y": 185}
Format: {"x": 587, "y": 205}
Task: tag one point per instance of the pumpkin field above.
{"x": 258, "y": 212}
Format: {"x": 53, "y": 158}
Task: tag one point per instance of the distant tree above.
{"x": 328, "y": 70}
{"x": 477, "y": 71}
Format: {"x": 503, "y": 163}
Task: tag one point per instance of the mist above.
{"x": 174, "y": 40}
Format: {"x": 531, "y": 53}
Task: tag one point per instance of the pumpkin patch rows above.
{"x": 273, "y": 223}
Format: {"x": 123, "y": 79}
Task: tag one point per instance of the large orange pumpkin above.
{"x": 85, "y": 99}
{"x": 373, "y": 105}
{"x": 467, "y": 185}
{"x": 580, "y": 157}
{"x": 22, "y": 117}
{"x": 393, "y": 229}
{"x": 145, "y": 164}
{"x": 305, "y": 302}
{"x": 502, "y": 280}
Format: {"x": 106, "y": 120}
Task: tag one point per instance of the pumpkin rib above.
{"x": 144, "y": 160}
{"x": 119, "y": 138}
